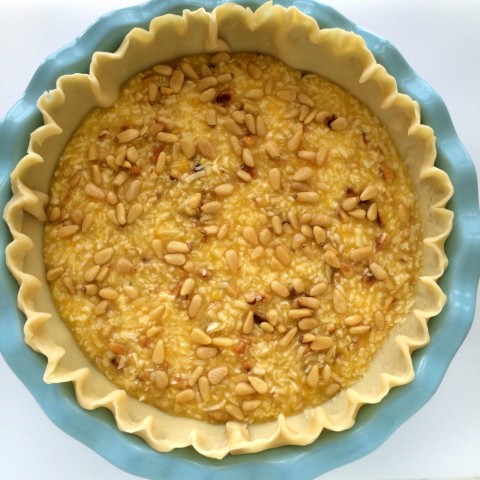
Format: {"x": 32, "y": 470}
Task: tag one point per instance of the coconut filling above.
{"x": 233, "y": 239}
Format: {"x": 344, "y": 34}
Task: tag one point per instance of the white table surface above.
{"x": 441, "y": 40}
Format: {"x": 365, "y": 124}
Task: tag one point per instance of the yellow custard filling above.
{"x": 232, "y": 239}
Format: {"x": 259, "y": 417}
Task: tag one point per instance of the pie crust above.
{"x": 296, "y": 39}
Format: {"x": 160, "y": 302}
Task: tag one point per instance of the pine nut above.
{"x": 307, "y": 324}
{"x": 332, "y": 389}
{"x": 117, "y": 348}
{"x": 94, "y": 191}
{"x": 378, "y": 271}
{"x": 339, "y": 124}
{"x": 309, "y": 302}
{"x": 298, "y": 313}
{"x": 101, "y": 308}
{"x": 277, "y": 225}
{"x": 206, "y": 352}
{"x": 297, "y": 241}
{"x": 219, "y": 57}
{"x": 319, "y": 235}
{"x": 224, "y": 189}
{"x": 211, "y": 117}
{"x": 235, "y": 144}
{"x": 164, "y": 70}
{"x": 131, "y": 292}
{"x": 161, "y": 379}
{"x": 359, "y": 213}
{"x": 207, "y": 82}
{"x": 234, "y": 411}
{"x": 287, "y": 95}
{"x": 308, "y": 197}
{"x": 207, "y": 149}
{"x": 247, "y": 326}
{"x": 250, "y": 235}
{"x": 134, "y": 212}
{"x": 187, "y": 287}
{"x": 359, "y": 329}
{"x": 331, "y": 259}
{"x": 283, "y": 255}
{"x": 293, "y": 143}
{"x": 265, "y": 236}
{"x": 233, "y": 127}
{"x": 350, "y": 203}
{"x": 321, "y": 155}
{"x": 195, "y": 305}
{"x": 353, "y": 320}
{"x": 127, "y": 136}
{"x": 176, "y": 80}
{"x": 69, "y": 284}
{"x": 305, "y": 100}
{"x": 233, "y": 263}
{"x": 288, "y": 337}
{"x": 272, "y": 149}
{"x": 222, "y": 342}
{"x": 216, "y": 375}
{"x": 298, "y": 286}
{"x": 204, "y": 388}
{"x": 368, "y": 193}
{"x": 108, "y": 293}
{"x": 201, "y": 337}
{"x": 250, "y": 123}
{"x": 379, "y": 320}
{"x": 189, "y": 71}
{"x": 250, "y": 405}
{"x": 177, "y": 259}
{"x": 208, "y": 95}
{"x": 152, "y": 92}
{"x": 157, "y": 314}
{"x": 313, "y": 377}
{"x": 177, "y": 247}
{"x": 92, "y": 152}
{"x": 54, "y": 273}
{"x": 339, "y": 301}
{"x": 103, "y": 256}
{"x": 158, "y": 355}
{"x": 372, "y": 212}
{"x": 167, "y": 137}
{"x": 194, "y": 200}
{"x": 243, "y": 175}
{"x": 303, "y": 174}
{"x": 280, "y": 289}
{"x": 244, "y": 388}
{"x": 258, "y": 384}
{"x": 67, "y": 230}
{"x": 321, "y": 221}
{"x": 321, "y": 343}
{"x": 185, "y": 396}
{"x": 275, "y": 179}
{"x": 318, "y": 289}
{"x": 194, "y": 376}
{"x": 360, "y": 254}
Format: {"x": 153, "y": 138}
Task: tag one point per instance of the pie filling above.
{"x": 233, "y": 239}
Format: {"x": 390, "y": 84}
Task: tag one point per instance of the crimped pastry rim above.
{"x": 28, "y": 202}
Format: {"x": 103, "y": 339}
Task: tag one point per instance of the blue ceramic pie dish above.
{"x": 375, "y": 423}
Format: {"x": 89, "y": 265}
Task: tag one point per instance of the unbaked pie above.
{"x": 231, "y": 239}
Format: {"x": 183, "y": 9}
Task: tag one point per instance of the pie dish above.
{"x": 170, "y": 401}
{"x": 156, "y": 392}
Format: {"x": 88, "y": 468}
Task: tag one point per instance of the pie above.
{"x": 231, "y": 243}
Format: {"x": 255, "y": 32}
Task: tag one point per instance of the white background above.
{"x": 441, "y": 40}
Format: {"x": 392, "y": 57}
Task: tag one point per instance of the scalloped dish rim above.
{"x": 356, "y": 70}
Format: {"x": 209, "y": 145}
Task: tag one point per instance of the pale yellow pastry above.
{"x": 239, "y": 246}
